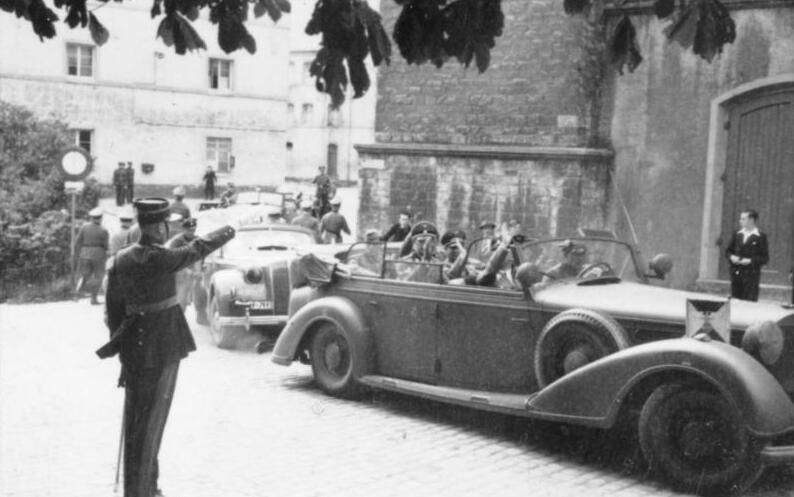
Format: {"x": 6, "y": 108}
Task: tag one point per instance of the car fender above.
{"x": 338, "y": 310}
{"x": 229, "y": 284}
{"x": 593, "y": 394}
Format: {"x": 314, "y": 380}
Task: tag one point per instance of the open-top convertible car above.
{"x": 247, "y": 283}
{"x": 573, "y": 331}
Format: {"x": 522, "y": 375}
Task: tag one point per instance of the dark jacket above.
{"x": 396, "y": 233}
{"x": 129, "y": 176}
{"x": 92, "y": 242}
{"x": 119, "y": 177}
{"x": 145, "y": 274}
{"x": 755, "y": 248}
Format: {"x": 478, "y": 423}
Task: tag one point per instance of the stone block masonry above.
{"x": 550, "y": 192}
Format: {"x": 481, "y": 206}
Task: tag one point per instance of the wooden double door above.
{"x": 759, "y": 174}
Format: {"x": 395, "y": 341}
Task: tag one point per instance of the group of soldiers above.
{"x": 124, "y": 183}
{"x": 94, "y": 245}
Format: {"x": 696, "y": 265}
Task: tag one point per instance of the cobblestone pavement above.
{"x": 241, "y": 426}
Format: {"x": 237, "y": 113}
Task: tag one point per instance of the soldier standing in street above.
{"x": 306, "y": 220}
{"x": 120, "y": 239}
{"x": 120, "y": 184}
{"x": 324, "y": 191}
{"x": 91, "y": 249}
{"x": 210, "y": 178}
{"x": 149, "y": 330}
{"x": 333, "y": 224}
{"x": 185, "y": 277}
{"x": 178, "y": 206}
{"x": 130, "y": 182}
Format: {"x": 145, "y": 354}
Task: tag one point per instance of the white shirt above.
{"x": 747, "y": 234}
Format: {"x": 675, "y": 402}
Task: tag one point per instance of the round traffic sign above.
{"x": 75, "y": 163}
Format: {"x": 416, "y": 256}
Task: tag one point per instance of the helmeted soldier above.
{"x": 149, "y": 331}
{"x": 91, "y": 250}
{"x": 178, "y": 206}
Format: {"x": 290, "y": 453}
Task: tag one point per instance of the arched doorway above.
{"x": 759, "y": 172}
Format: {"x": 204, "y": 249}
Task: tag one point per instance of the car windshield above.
{"x": 581, "y": 258}
{"x": 247, "y": 241}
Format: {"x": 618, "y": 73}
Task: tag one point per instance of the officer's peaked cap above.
{"x": 95, "y": 212}
{"x": 487, "y": 224}
{"x": 189, "y": 223}
{"x": 424, "y": 228}
{"x": 151, "y": 210}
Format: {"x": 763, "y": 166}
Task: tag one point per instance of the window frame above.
{"x": 215, "y": 162}
{"x": 220, "y": 61}
{"x": 77, "y": 140}
{"x": 79, "y": 47}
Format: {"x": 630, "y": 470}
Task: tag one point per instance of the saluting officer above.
{"x": 149, "y": 331}
{"x": 91, "y": 249}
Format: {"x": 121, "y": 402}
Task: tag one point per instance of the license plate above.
{"x": 261, "y": 306}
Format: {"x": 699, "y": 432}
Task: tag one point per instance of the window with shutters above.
{"x": 220, "y": 74}
{"x": 79, "y": 60}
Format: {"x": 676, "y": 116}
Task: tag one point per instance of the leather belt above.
{"x": 153, "y": 307}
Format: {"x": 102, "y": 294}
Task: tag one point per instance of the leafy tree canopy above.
{"x": 432, "y": 31}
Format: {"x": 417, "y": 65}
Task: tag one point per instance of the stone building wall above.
{"x": 550, "y": 192}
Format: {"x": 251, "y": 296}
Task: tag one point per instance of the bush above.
{"x": 34, "y": 216}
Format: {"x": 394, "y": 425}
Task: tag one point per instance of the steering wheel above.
{"x": 607, "y": 269}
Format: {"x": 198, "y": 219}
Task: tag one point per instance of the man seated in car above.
{"x": 423, "y": 261}
{"x": 574, "y": 259}
{"x": 454, "y": 255}
{"x": 369, "y": 262}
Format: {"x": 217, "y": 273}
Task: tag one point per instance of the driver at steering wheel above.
{"x": 574, "y": 259}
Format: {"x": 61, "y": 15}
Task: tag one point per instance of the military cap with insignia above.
{"x": 151, "y": 210}
{"x": 451, "y": 235}
{"x": 487, "y": 224}
{"x": 189, "y": 222}
{"x": 423, "y": 228}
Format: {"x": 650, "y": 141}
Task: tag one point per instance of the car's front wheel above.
{"x": 333, "y": 361}
{"x": 696, "y": 439}
{"x": 224, "y": 336}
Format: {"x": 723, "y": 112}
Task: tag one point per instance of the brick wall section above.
{"x": 548, "y": 197}
{"x": 541, "y": 67}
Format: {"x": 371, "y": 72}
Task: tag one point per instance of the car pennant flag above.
{"x": 712, "y": 317}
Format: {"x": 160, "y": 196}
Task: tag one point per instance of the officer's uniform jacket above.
{"x": 332, "y": 225}
{"x": 119, "y": 240}
{"x": 141, "y": 296}
{"x": 92, "y": 242}
{"x": 179, "y": 207}
{"x": 755, "y": 247}
{"x": 119, "y": 177}
{"x": 306, "y": 221}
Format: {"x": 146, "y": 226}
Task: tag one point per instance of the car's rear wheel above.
{"x": 334, "y": 361}
{"x": 696, "y": 439}
{"x": 224, "y": 336}
{"x": 573, "y": 339}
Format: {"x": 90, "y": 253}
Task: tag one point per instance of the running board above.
{"x": 505, "y": 403}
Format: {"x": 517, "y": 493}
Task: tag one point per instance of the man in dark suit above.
{"x": 120, "y": 184}
{"x": 747, "y": 252}
{"x": 130, "y": 182}
{"x": 149, "y": 331}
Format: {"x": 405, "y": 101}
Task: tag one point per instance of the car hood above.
{"x": 627, "y": 300}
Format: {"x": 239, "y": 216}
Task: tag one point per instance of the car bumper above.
{"x": 247, "y": 321}
{"x": 777, "y": 455}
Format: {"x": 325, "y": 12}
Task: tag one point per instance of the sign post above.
{"x": 75, "y": 165}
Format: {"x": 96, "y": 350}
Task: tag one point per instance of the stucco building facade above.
{"x": 552, "y": 136}
{"x": 134, "y": 99}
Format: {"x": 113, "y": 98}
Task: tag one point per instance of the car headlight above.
{"x": 764, "y": 341}
{"x": 253, "y": 275}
